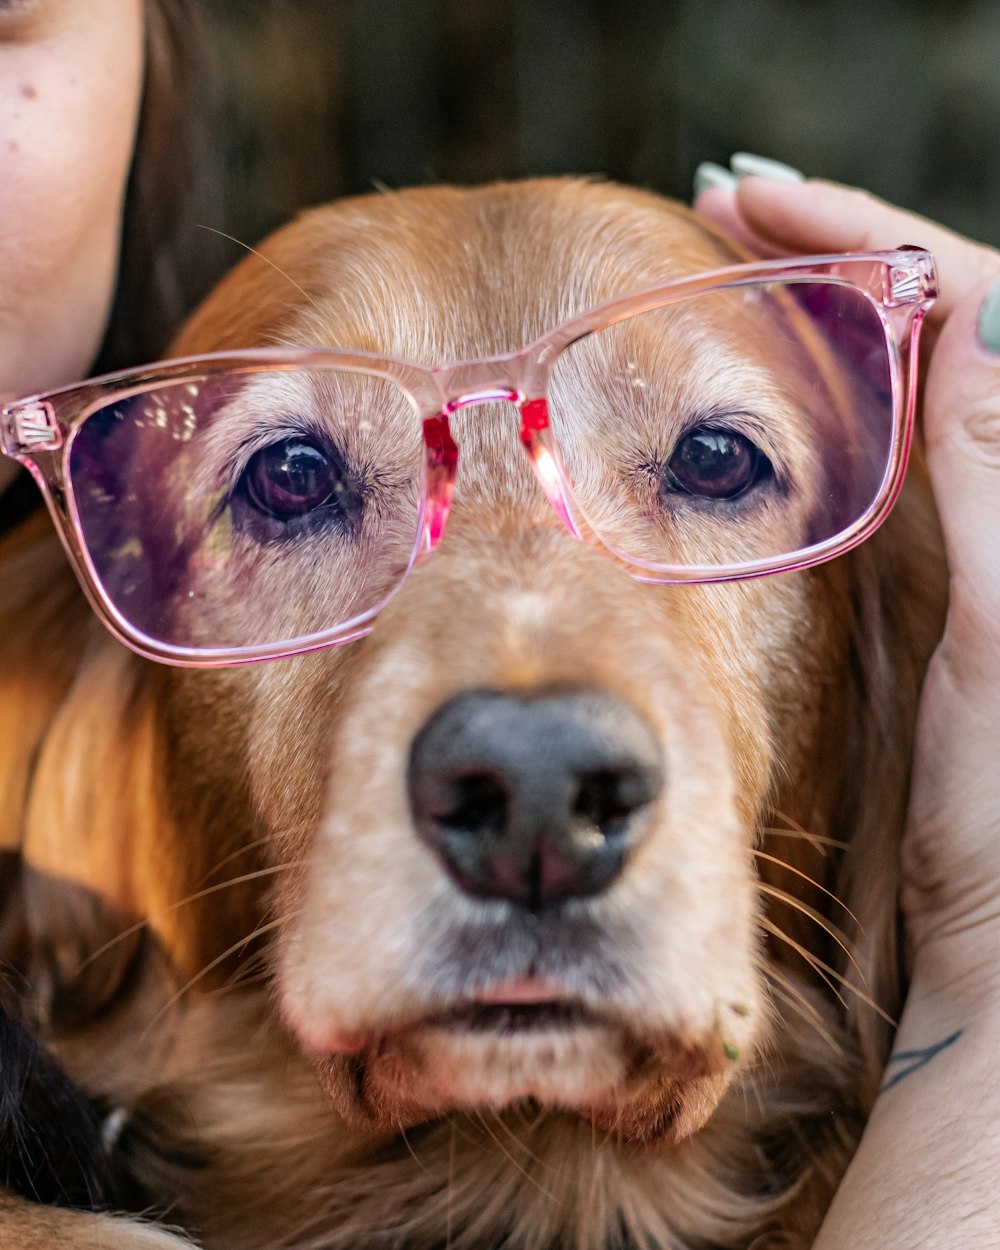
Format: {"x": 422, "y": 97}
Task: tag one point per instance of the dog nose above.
{"x": 534, "y": 799}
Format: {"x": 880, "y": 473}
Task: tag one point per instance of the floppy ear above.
{"x": 102, "y": 842}
{"x": 51, "y": 917}
{"x": 82, "y": 804}
{"x": 42, "y": 615}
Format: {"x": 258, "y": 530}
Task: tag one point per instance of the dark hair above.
{"x": 52, "y": 1147}
{"x": 175, "y": 186}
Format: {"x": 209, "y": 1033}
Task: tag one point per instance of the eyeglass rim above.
{"x": 863, "y": 271}
{"x": 870, "y": 273}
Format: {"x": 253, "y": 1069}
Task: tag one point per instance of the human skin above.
{"x": 925, "y": 1172}
{"x": 70, "y": 86}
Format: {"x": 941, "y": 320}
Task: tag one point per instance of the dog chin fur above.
{"x": 232, "y": 932}
{"x": 606, "y": 1079}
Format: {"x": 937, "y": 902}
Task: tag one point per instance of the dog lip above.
{"x": 522, "y": 1004}
{"x": 516, "y": 991}
{"x": 515, "y": 996}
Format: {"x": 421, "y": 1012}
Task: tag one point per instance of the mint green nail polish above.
{"x": 989, "y": 318}
{"x": 708, "y": 177}
{"x": 745, "y": 164}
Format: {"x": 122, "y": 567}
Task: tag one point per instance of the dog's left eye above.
{"x": 715, "y": 463}
{"x": 295, "y": 477}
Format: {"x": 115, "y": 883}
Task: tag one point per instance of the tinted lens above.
{"x": 730, "y": 428}
{"x": 245, "y": 509}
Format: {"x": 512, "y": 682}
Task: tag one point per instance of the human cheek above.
{"x": 68, "y": 105}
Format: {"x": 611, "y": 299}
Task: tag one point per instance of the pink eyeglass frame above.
{"x": 39, "y": 431}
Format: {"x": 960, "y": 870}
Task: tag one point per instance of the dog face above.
{"x": 409, "y": 824}
{"x": 631, "y": 1004}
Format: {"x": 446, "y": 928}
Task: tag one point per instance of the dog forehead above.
{"x": 441, "y": 273}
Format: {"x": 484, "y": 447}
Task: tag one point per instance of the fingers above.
{"x": 720, "y": 207}
{"x": 774, "y": 212}
{"x": 715, "y": 197}
{"x": 820, "y": 216}
{"x": 962, "y": 437}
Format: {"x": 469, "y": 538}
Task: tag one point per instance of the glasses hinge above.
{"x": 29, "y": 427}
{"x": 910, "y": 282}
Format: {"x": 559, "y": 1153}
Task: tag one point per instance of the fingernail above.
{"x": 708, "y": 177}
{"x": 989, "y": 318}
{"x": 745, "y": 164}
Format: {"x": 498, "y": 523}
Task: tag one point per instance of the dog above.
{"x": 301, "y": 1019}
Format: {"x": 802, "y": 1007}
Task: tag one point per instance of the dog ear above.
{"x": 41, "y": 615}
{"x": 60, "y": 903}
{"x": 108, "y": 843}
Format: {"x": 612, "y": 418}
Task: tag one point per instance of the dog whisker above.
{"x": 826, "y": 972}
{"x": 752, "y": 1088}
{"x": 780, "y": 863}
{"x": 533, "y": 1180}
{"x": 401, "y": 1130}
{"x": 804, "y": 909}
{"x": 258, "y": 874}
{"x": 175, "y": 998}
{"x": 188, "y": 899}
{"x": 818, "y": 841}
{"x": 111, "y": 943}
{"x": 504, "y": 1127}
{"x": 790, "y": 994}
{"x": 244, "y": 849}
{"x": 536, "y": 1120}
{"x": 792, "y": 829}
{"x": 239, "y": 984}
{"x": 255, "y": 970}
{"x": 267, "y": 260}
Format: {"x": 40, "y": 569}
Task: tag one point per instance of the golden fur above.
{"x": 247, "y": 830}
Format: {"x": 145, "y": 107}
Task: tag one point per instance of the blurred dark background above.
{"x": 332, "y": 97}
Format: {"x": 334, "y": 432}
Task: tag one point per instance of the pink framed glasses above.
{"x": 251, "y": 505}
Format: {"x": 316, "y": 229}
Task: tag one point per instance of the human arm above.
{"x": 925, "y": 1174}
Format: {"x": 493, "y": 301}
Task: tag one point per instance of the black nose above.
{"x": 533, "y": 799}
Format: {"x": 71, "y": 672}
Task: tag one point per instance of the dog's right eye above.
{"x": 296, "y": 477}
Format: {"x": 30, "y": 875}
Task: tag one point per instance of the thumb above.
{"x": 962, "y": 437}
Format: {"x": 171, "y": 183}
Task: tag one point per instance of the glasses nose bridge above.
{"x": 493, "y": 379}
{"x": 512, "y": 379}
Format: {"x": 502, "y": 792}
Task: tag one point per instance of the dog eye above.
{"x": 715, "y": 464}
{"x": 295, "y": 477}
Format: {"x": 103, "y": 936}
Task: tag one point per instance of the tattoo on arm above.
{"x": 914, "y": 1059}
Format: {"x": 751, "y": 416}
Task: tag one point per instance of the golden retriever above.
{"x": 297, "y": 1021}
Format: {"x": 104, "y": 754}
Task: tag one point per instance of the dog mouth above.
{"x": 555, "y": 1054}
{"x": 511, "y": 1018}
{"x": 519, "y": 1008}
{"x": 524, "y": 1038}
{"x": 515, "y": 1009}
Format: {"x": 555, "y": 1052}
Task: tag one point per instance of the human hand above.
{"x": 951, "y": 851}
